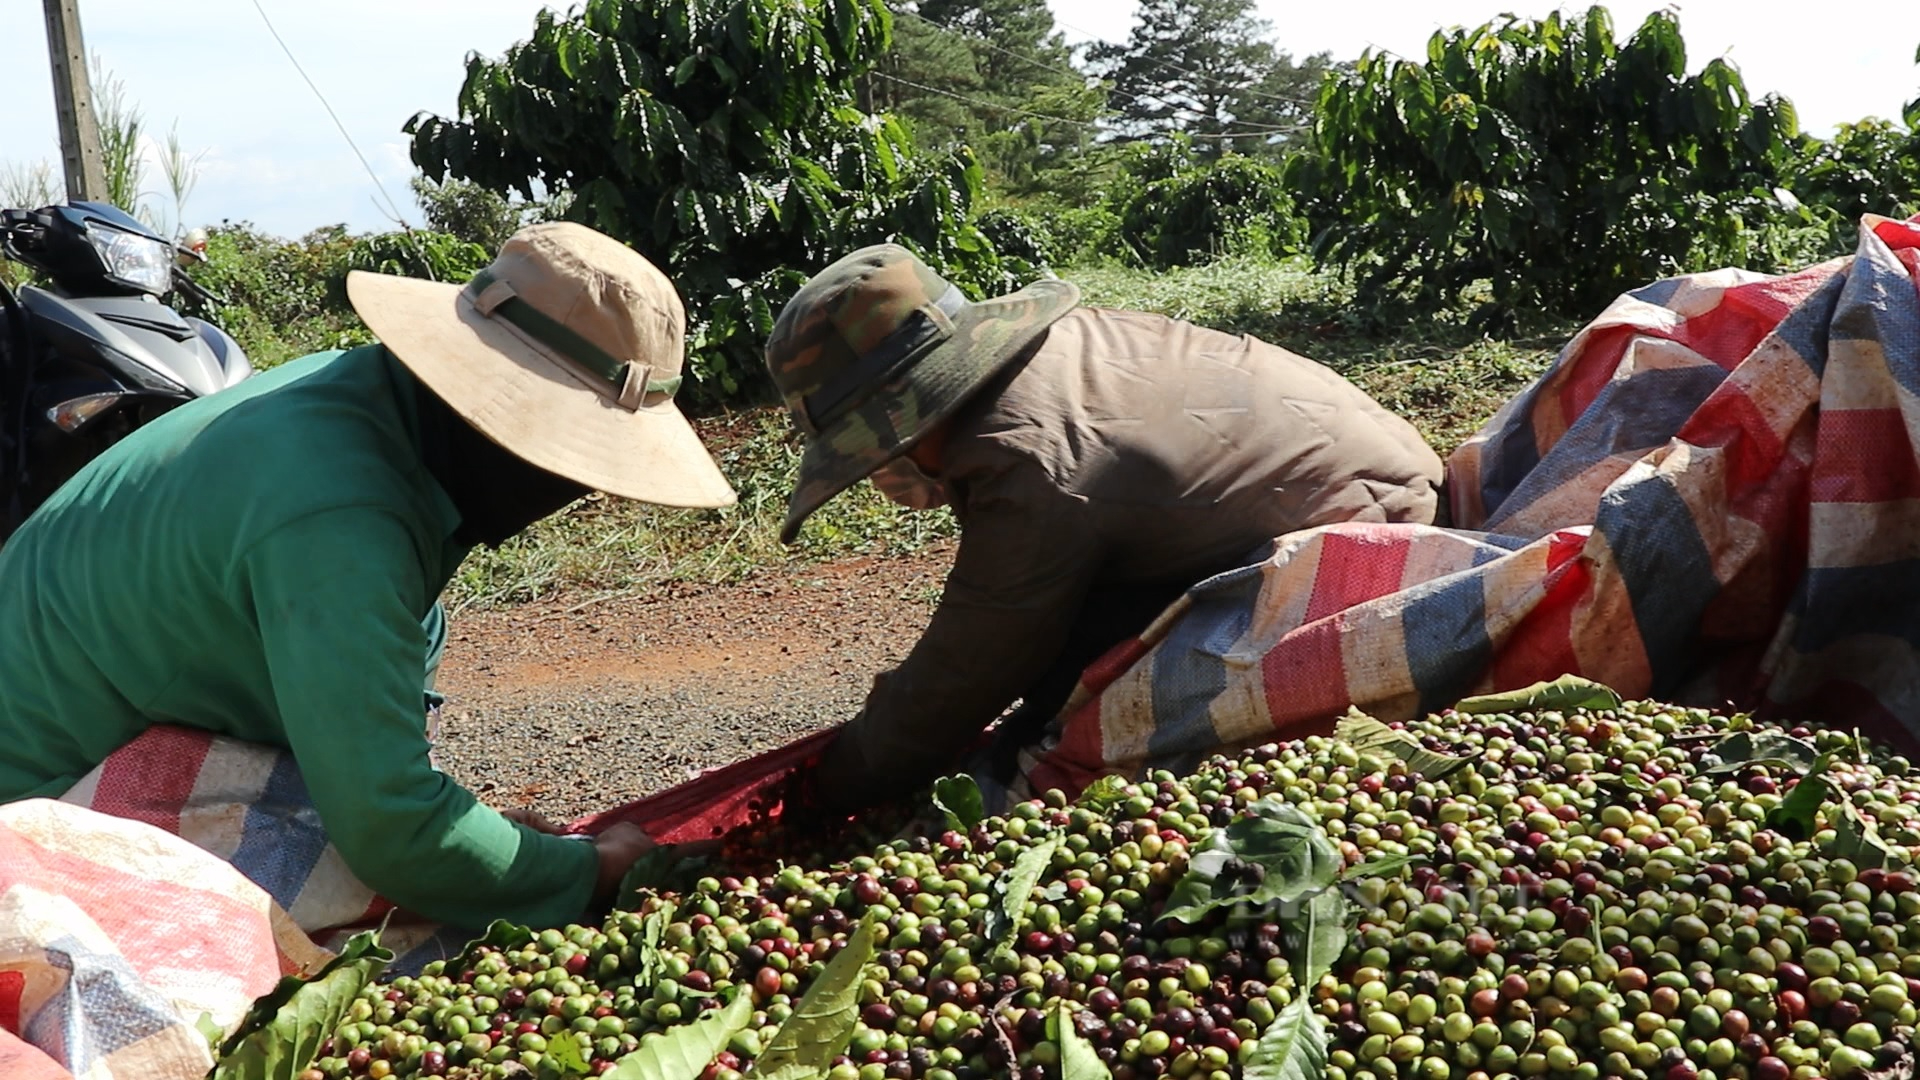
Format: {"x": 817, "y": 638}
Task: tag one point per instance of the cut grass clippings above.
{"x": 1435, "y": 370}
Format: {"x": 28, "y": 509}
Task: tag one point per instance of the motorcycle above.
{"x": 95, "y": 354}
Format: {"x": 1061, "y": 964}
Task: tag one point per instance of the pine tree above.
{"x": 995, "y": 75}
{"x": 1204, "y": 68}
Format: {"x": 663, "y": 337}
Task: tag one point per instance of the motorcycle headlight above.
{"x": 138, "y": 262}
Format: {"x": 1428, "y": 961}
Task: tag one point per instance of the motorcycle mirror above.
{"x": 192, "y": 247}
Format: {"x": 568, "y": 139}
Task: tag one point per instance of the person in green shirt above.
{"x": 258, "y": 564}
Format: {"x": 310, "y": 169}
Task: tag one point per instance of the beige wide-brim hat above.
{"x": 566, "y": 351}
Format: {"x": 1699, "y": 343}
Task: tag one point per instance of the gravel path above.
{"x": 575, "y": 705}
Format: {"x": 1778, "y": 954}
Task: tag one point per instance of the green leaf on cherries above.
{"x": 1007, "y": 911}
{"x": 501, "y": 934}
{"x": 281, "y": 1035}
{"x": 684, "y": 1051}
{"x": 1275, "y": 854}
{"x": 653, "y": 931}
{"x": 823, "y": 1021}
{"x": 1294, "y": 1046}
{"x": 1622, "y": 782}
{"x": 1565, "y": 692}
{"x": 1316, "y": 934}
{"x": 1078, "y": 1060}
{"x": 1797, "y": 816}
{"x": 571, "y": 1052}
{"x": 1856, "y": 840}
{"x": 1380, "y": 867}
{"x": 1744, "y": 749}
{"x": 1104, "y": 794}
{"x": 959, "y": 798}
{"x": 1365, "y": 734}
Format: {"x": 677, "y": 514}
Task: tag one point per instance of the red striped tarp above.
{"x": 1713, "y": 494}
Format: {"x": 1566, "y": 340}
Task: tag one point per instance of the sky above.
{"x": 271, "y": 155}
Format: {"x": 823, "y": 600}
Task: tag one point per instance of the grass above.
{"x": 1435, "y": 370}
{"x": 610, "y": 547}
{"x": 1443, "y": 375}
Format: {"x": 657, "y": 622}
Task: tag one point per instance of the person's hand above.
{"x": 618, "y": 849}
{"x": 532, "y": 819}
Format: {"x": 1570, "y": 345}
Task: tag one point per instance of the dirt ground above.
{"x": 575, "y": 704}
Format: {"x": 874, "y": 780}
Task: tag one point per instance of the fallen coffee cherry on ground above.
{"x": 1645, "y": 892}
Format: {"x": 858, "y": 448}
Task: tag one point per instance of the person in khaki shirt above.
{"x": 1099, "y": 463}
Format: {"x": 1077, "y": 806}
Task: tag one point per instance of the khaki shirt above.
{"x": 1128, "y": 448}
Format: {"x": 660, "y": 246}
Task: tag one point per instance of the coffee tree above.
{"x": 722, "y": 140}
{"x": 1872, "y": 166}
{"x": 1176, "y": 213}
{"x": 1539, "y": 155}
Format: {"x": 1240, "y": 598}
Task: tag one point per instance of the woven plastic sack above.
{"x": 116, "y": 938}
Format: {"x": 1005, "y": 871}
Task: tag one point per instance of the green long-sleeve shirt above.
{"x": 257, "y": 564}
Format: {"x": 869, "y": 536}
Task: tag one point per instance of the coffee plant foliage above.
{"x": 1869, "y": 167}
{"x": 1540, "y": 155}
{"x": 1183, "y": 211}
{"x": 473, "y": 213}
{"x": 723, "y": 140}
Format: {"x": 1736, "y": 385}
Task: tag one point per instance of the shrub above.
{"x": 1872, "y": 167}
{"x": 1064, "y": 235}
{"x": 435, "y": 256}
{"x": 473, "y": 213}
{"x": 1234, "y": 205}
{"x": 1539, "y": 155}
{"x": 286, "y": 298}
{"x": 279, "y": 298}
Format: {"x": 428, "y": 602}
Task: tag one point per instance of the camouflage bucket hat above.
{"x": 877, "y": 349}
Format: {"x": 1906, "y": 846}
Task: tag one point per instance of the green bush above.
{"x": 1063, "y": 235}
{"x": 1015, "y": 235}
{"x": 435, "y": 256}
{"x": 1540, "y": 156}
{"x": 1872, "y": 167}
{"x": 1771, "y": 232}
{"x": 1233, "y": 205}
{"x": 286, "y": 298}
{"x": 473, "y": 213}
{"x": 280, "y": 298}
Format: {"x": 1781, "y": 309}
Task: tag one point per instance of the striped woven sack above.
{"x": 247, "y": 804}
{"x": 117, "y": 938}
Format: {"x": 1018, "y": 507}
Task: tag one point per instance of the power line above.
{"x": 1218, "y": 83}
{"x": 980, "y": 104}
{"x": 392, "y": 207}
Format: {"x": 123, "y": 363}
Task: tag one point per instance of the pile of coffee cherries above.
{"x": 1592, "y": 894}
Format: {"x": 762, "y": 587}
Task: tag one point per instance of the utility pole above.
{"x": 73, "y": 100}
